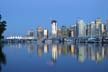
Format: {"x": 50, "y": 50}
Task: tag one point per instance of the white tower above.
{"x": 54, "y": 27}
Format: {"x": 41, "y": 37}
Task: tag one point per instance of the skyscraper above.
{"x": 30, "y": 33}
{"x": 54, "y": 27}
{"x": 98, "y": 30}
{"x": 64, "y": 32}
{"x": 39, "y": 32}
{"x": 93, "y": 28}
{"x": 81, "y": 31}
{"x": 45, "y": 33}
{"x": 73, "y": 31}
{"x": 59, "y": 32}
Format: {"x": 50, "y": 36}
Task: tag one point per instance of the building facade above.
{"x": 54, "y": 27}
{"x": 81, "y": 28}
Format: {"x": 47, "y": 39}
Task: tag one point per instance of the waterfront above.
{"x": 39, "y": 57}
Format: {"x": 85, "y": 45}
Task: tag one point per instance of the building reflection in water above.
{"x": 94, "y": 52}
{"x": 2, "y": 57}
{"x": 39, "y": 49}
{"x": 72, "y": 49}
{"x": 81, "y": 52}
{"x": 54, "y": 52}
{"x": 45, "y": 48}
{"x": 64, "y": 48}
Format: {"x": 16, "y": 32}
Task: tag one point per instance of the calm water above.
{"x": 33, "y": 57}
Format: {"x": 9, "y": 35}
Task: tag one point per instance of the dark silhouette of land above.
{"x": 2, "y": 27}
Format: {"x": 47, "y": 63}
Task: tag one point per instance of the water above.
{"x": 64, "y": 57}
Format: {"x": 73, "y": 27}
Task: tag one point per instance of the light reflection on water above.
{"x": 54, "y": 53}
{"x": 94, "y": 52}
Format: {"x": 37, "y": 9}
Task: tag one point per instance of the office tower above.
{"x": 59, "y": 32}
{"x": 88, "y": 30}
{"x": 69, "y": 32}
{"x": 64, "y": 31}
{"x": 98, "y": 30}
{"x": 103, "y": 29}
{"x": 39, "y": 32}
{"x": 45, "y": 33}
{"x": 54, "y": 28}
{"x": 93, "y": 29}
{"x": 73, "y": 31}
{"x": 30, "y": 33}
{"x": 81, "y": 31}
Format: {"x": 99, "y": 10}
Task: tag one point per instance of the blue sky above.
{"x": 22, "y": 15}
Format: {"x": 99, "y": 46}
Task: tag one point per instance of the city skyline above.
{"x": 29, "y": 14}
{"x": 53, "y": 35}
{"x": 79, "y": 29}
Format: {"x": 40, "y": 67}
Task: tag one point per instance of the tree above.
{"x": 2, "y": 27}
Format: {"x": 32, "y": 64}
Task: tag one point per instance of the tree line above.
{"x": 2, "y": 27}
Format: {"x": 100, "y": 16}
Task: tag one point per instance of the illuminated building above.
{"x": 73, "y": 31}
{"x": 54, "y": 27}
{"x": 98, "y": 30}
{"x": 81, "y": 31}
{"x": 91, "y": 29}
{"x": 103, "y": 28}
{"x": 45, "y": 33}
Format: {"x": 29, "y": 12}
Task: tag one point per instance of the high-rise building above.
{"x": 98, "y": 30}
{"x": 54, "y": 27}
{"x": 64, "y": 31}
{"x": 93, "y": 29}
{"x": 88, "y": 30}
{"x": 59, "y": 33}
{"x": 45, "y": 33}
{"x": 30, "y": 33}
{"x": 81, "y": 28}
{"x": 39, "y": 32}
{"x": 103, "y": 28}
{"x": 73, "y": 31}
